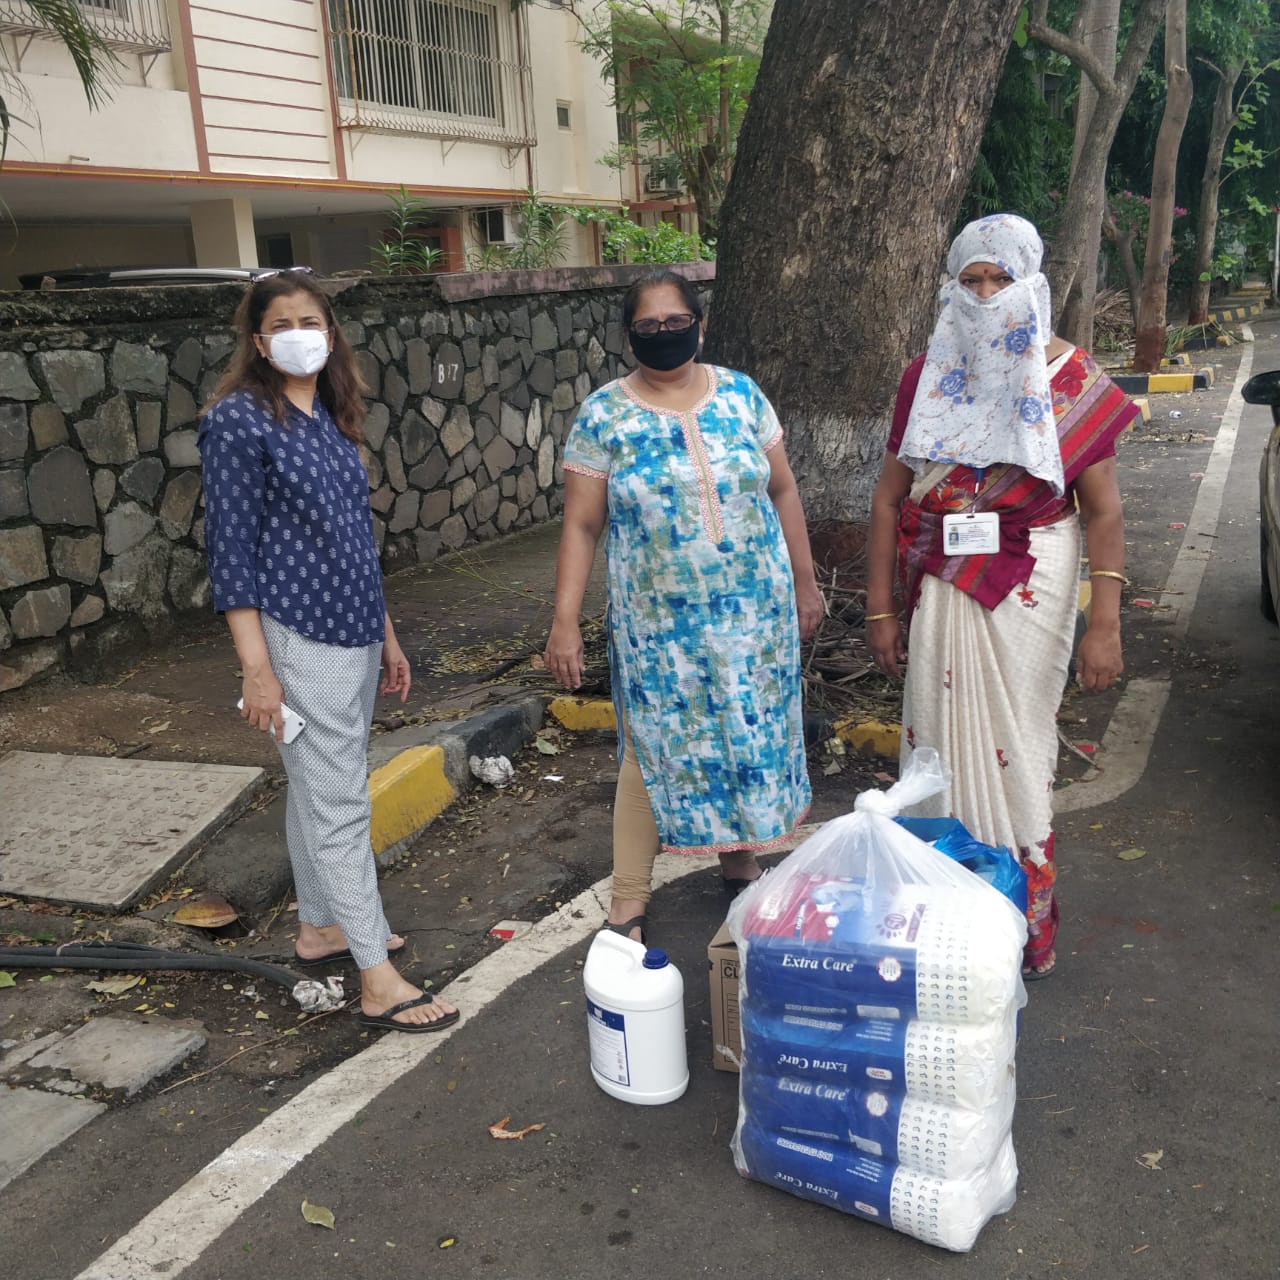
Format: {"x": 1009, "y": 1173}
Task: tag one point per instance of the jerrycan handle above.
{"x": 625, "y": 951}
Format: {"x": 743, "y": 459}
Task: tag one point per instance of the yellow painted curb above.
{"x": 579, "y": 714}
{"x": 407, "y": 793}
{"x": 872, "y": 736}
{"x": 1171, "y": 382}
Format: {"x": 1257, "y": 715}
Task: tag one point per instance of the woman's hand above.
{"x": 395, "y": 669}
{"x": 1099, "y": 661}
{"x": 563, "y": 654}
{"x": 811, "y": 608}
{"x": 884, "y": 639}
{"x": 262, "y": 697}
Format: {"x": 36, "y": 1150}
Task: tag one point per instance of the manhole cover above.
{"x": 96, "y": 832}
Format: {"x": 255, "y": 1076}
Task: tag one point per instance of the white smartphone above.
{"x": 293, "y": 722}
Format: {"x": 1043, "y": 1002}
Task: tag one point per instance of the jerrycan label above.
{"x": 607, "y": 1032}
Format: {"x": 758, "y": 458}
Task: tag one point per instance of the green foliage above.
{"x": 540, "y": 242}
{"x": 626, "y": 241}
{"x": 682, "y": 72}
{"x": 1131, "y": 213}
{"x": 1025, "y": 158}
{"x": 402, "y": 252}
{"x": 92, "y": 56}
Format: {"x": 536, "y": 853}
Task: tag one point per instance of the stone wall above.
{"x": 475, "y": 380}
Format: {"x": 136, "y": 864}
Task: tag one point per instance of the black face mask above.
{"x": 665, "y": 350}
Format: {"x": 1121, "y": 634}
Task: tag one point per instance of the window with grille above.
{"x": 141, "y": 26}
{"x": 402, "y": 64}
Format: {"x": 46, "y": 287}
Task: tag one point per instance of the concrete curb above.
{"x": 415, "y": 774}
{"x": 1142, "y": 384}
{"x": 1234, "y": 310}
{"x": 871, "y": 737}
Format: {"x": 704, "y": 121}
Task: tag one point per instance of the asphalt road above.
{"x": 1147, "y": 1121}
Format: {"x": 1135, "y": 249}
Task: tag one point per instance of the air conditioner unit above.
{"x": 661, "y": 183}
{"x": 497, "y": 225}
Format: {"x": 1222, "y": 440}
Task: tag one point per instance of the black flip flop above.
{"x": 386, "y": 1020}
{"x": 1038, "y": 975}
{"x": 627, "y": 925}
{"x": 337, "y": 957}
{"x": 734, "y": 885}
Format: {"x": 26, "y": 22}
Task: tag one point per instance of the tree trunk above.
{"x": 833, "y": 230}
{"x": 1099, "y": 23}
{"x": 1224, "y": 120}
{"x": 1123, "y": 242}
{"x": 1069, "y": 248}
{"x": 1148, "y": 348}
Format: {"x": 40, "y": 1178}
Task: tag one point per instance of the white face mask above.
{"x": 301, "y": 352}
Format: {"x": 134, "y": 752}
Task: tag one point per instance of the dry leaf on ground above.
{"x": 116, "y": 986}
{"x": 1131, "y": 855}
{"x": 209, "y": 912}
{"x": 1151, "y": 1159}
{"x": 317, "y": 1214}
{"x": 500, "y": 1129}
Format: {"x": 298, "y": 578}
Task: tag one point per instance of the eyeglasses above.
{"x": 672, "y": 324}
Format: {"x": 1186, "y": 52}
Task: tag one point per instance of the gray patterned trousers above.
{"x": 327, "y": 810}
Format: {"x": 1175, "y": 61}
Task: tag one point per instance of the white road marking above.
{"x": 1126, "y": 745}
{"x": 175, "y": 1233}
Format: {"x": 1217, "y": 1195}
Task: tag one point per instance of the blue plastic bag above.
{"x": 994, "y": 864}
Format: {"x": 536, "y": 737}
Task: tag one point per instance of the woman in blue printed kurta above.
{"x": 711, "y": 589}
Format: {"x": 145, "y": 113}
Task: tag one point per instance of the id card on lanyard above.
{"x": 973, "y": 533}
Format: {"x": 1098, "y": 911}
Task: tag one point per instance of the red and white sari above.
{"x": 991, "y": 635}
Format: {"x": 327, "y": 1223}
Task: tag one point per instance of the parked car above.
{"x": 116, "y": 277}
{"x": 1264, "y": 388}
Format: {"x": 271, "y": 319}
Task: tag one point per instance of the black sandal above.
{"x": 626, "y": 926}
{"x": 734, "y": 886}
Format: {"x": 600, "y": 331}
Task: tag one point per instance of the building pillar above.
{"x": 223, "y": 233}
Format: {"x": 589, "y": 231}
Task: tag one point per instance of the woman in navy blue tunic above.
{"x": 294, "y": 567}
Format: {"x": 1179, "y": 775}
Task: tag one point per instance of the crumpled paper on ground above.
{"x": 497, "y": 771}
{"x": 319, "y": 997}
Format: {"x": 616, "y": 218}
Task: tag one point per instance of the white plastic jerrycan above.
{"x": 635, "y": 1021}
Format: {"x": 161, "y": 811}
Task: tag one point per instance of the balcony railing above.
{"x": 454, "y": 69}
{"x": 140, "y": 26}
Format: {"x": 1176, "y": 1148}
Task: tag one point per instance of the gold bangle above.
{"x": 876, "y": 617}
{"x": 1108, "y": 573}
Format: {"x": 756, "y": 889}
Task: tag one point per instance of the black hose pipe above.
{"x": 135, "y": 955}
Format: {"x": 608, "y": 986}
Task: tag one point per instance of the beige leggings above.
{"x": 635, "y": 833}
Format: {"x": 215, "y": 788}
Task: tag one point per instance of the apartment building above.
{"x": 271, "y": 132}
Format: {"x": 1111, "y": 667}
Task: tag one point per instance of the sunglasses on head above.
{"x": 281, "y": 271}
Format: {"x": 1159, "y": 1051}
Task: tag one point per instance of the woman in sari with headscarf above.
{"x": 1003, "y": 445}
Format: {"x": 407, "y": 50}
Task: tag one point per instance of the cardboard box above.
{"x": 726, "y": 1029}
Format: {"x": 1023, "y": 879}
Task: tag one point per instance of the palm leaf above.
{"x": 89, "y": 51}
{"x": 93, "y": 58}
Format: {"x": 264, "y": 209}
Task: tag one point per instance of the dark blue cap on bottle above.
{"x": 655, "y": 958}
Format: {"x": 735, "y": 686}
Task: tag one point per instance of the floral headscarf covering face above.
{"x": 984, "y": 395}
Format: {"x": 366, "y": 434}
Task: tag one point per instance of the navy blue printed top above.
{"x": 287, "y": 522}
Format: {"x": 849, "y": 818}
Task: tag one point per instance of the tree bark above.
{"x": 1099, "y": 23}
{"x": 1123, "y": 241}
{"x": 1148, "y": 348}
{"x": 852, "y": 161}
{"x": 1067, "y": 252}
{"x": 1224, "y": 120}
